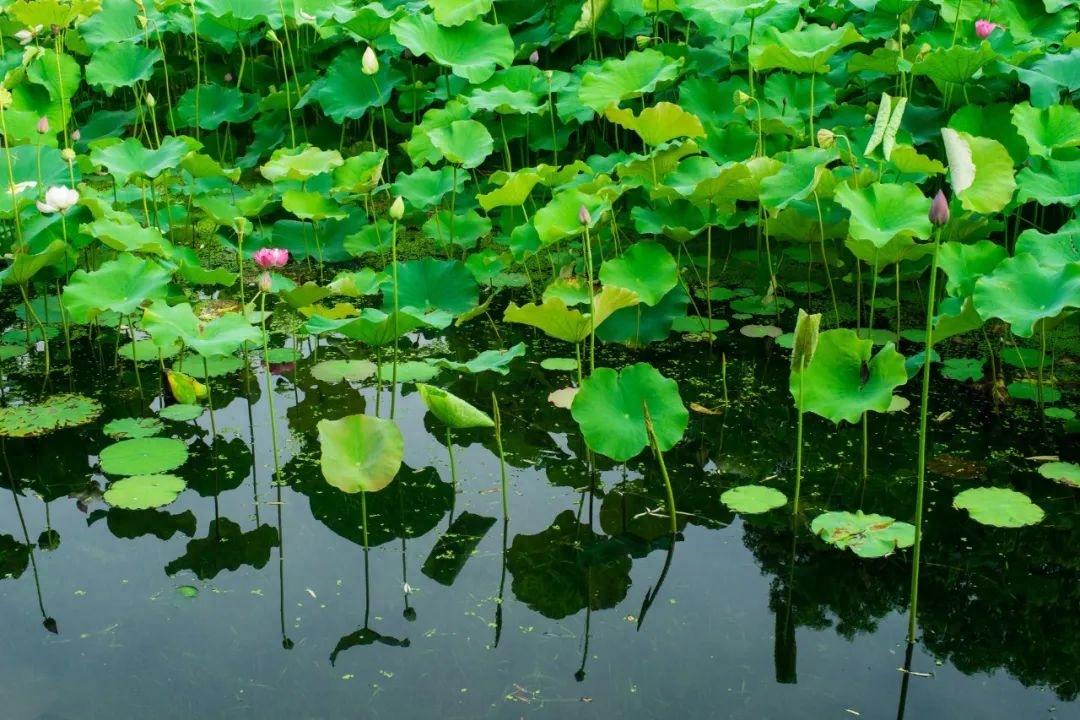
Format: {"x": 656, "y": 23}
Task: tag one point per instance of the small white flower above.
{"x": 369, "y": 63}
{"x": 25, "y": 37}
{"x": 58, "y": 199}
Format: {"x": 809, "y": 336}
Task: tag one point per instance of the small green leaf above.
{"x": 999, "y": 507}
{"x": 753, "y": 499}
{"x": 868, "y": 536}
{"x": 142, "y": 492}
{"x": 143, "y": 456}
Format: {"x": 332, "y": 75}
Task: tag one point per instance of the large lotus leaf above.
{"x": 59, "y": 74}
{"x": 466, "y": 228}
{"x": 225, "y": 547}
{"x": 142, "y": 492}
{"x": 335, "y": 371}
{"x": 955, "y": 65}
{"x": 131, "y": 428}
{"x": 217, "y": 105}
{"x": 657, "y": 124}
{"x": 753, "y": 499}
{"x": 300, "y": 163}
{"x": 1054, "y": 248}
{"x": 221, "y": 336}
{"x": 424, "y": 187}
{"x": 120, "y": 231}
{"x": 1057, "y": 126}
{"x": 702, "y": 181}
{"x": 240, "y": 15}
{"x": 54, "y": 413}
{"x": 449, "y": 13}
{"x": 640, "y": 324}
{"x": 1066, "y": 473}
{"x": 868, "y": 536}
{"x": 489, "y": 360}
{"x": 470, "y": 50}
{"x": 609, "y": 408}
{"x": 452, "y": 410}
{"x": 360, "y": 453}
{"x": 799, "y": 175}
{"x": 130, "y": 158}
{"x": 679, "y": 220}
{"x": 373, "y": 327}
{"x": 648, "y": 269}
{"x": 899, "y": 247}
{"x": 463, "y": 142}
{"x": 431, "y": 284}
{"x": 805, "y": 50}
{"x": 965, "y": 264}
{"x": 312, "y": 205}
{"x": 143, "y": 456}
{"x": 567, "y": 568}
{"x": 843, "y": 381}
{"x": 1021, "y": 292}
{"x": 955, "y": 318}
{"x": 999, "y": 507}
{"x": 25, "y": 265}
{"x": 514, "y": 190}
{"x": 618, "y": 79}
{"x": 563, "y": 323}
{"x": 883, "y": 211}
{"x": 1048, "y": 75}
{"x": 121, "y": 285}
{"x": 560, "y": 218}
{"x": 981, "y": 170}
{"x": 419, "y": 147}
{"x": 1055, "y": 181}
{"x": 121, "y": 65}
{"x": 360, "y": 173}
{"x": 345, "y": 95}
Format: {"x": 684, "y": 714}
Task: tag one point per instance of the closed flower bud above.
{"x": 985, "y": 28}
{"x": 806, "y": 340}
{"x": 397, "y": 208}
{"x": 534, "y": 57}
{"x": 265, "y": 282}
{"x": 369, "y": 64}
{"x": 42, "y": 125}
{"x": 68, "y": 155}
{"x": 939, "y": 210}
{"x": 583, "y": 216}
{"x": 76, "y": 136}
{"x": 150, "y": 101}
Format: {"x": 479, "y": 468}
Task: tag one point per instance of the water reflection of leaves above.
{"x": 14, "y": 557}
{"x": 226, "y": 547}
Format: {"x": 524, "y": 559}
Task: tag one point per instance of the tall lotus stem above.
{"x": 497, "y": 417}
{"x": 397, "y": 211}
{"x": 939, "y": 216}
{"x": 806, "y": 338}
{"x": 586, "y": 220}
{"x": 663, "y": 468}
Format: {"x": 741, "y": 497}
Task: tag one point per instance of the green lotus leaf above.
{"x": 408, "y": 372}
{"x": 121, "y": 285}
{"x": 657, "y": 124}
{"x": 312, "y": 205}
{"x": 122, "y": 232}
{"x": 127, "y": 428}
{"x": 618, "y": 79}
{"x": 463, "y": 142}
{"x": 452, "y": 410}
{"x": 181, "y": 413}
{"x": 424, "y": 187}
{"x": 965, "y": 264}
{"x": 221, "y": 336}
{"x": 431, "y": 284}
{"x": 609, "y": 408}
{"x": 449, "y": 13}
{"x": 981, "y": 170}
{"x": 12, "y": 351}
{"x": 59, "y": 74}
{"x": 560, "y": 364}
{"x": 344, "y": 94}
{"x": 1047, "y": 76}
{"x": 470, "y": 50}
{"x": 843, "y": 381}
{"x": 487, "y": 361}
{"x": 142, "y": 492}
{"x": 217, "y": 105}
{"x": 999, "y": 507}
{"x": 143, "y": 456}
{"x": 204, "y": 367}
{"x": 1046, "y": 129}
{"x": 753, "y": 499}
{"x": 884, "y": 211}
{"x": 962, "y": 369}
{"x": 360, "y": 173}
{"x": 559, "y": 219}
{"x": 373, "y": 327}
{"x": 26, "y": 265}
{"x": 799, "y": 175}
{"x": 648, "y": 269}
{"x": 1055, "y": 181}
{"x": 146, "y": 351}
{"x": 54, "y": 413}
{"x": 121, "y": 65}
{"x": 1066, "y": 473}
{"x": 640, "y": 324}
{"x": 703, "y": 181}
{"x": 466, "y": 228}
{"x": 868, "y": 536}
{"x": 515, "y": 189}
{"x": 334, "y": 371}
{"x": 679, "y": 220}
{"x": 806, "y": 50}
{"x": 1029, "y": 389}
{"x": 1021, "y": 292}
{"x": 954, "y": 65}
{"x": 356, "y": 284}
{"x": 360, "y": 453}
{"x": 300, "y": 163}
{"x": 1056, "y": 248}
{"x": 559, "y": 321}
{"x": 130, "y": 158}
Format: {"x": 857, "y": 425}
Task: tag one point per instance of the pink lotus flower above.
{"x": 271, "y": 257}
{"x": 984, "y": 28}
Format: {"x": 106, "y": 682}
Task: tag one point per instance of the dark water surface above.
{"x": 290, "y": 622}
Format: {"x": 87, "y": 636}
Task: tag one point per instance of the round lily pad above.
{"x": 1066, "y": 473}
{"x": 188, "y": 591}
{"x": 142, "y": 492}
{"x": 12, "y": 351}
{"x": 127, "y": 428}
{"x": 566, "y": 364}
{"x": 334, "y": 371}
{"x": 408, "y": 371}
{"x": 760, "y": 331}
{"x": 999, "y": 507}
{"x": 146, "y": 350}
{"x": 216, "y": 365}
{"x": 753, "y": 499}
{"x": 59, "y": 411}
{"x": 143, "y": 456}
{"x": 867, "y": 536}
{"x": 181, "y": 412}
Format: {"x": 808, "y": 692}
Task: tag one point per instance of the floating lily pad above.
{"x": 335, "y": 371}
{"x": 1029, "y": 390}
{"x": 181, "y": 412}
{"x": 215, "y": 366}
{"x": 868, "y": 536}
{"x": 761, "y": 331}
{"x": 409, "y": 371}
{"x": 565, "y": 364}
{"x": 999, "y": 507}
{"x": 126, "y": 428}
{"x": 963, "y": 368}
{"x": 1066, "y": 473}
{"x": 142, "y": 492}
{"x": 143, "y": 456}
{"x": 188, "y": 591}
{"x": 57, "y": 412}
{"x": 753, "y": 499}
{"x": 146, "y": 350}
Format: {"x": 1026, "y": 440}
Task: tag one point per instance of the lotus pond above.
{"x": 466, "y": 358}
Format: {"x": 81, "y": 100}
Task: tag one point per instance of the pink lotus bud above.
{"x": 583, "y": 216}
{"x": 534, "y": 57}
{"x": 939, "y": 210}
{"x": 984, "y": 28}
{"x": 76, "y": 136}
{"x": 265, "y": 282}
{"x": 271, "y": 257}
{"x": 43, "y": 125}
{"x": 228, "y": 77}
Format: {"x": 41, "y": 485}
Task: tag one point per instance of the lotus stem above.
{"x": 502, "y": 456}
{"x": 450, "y": 450}
{"x": 663, "y": 468}
{"x": 269, "y": 389}
{"x": 41, "y": 326}
{"x": 799, "y": 444}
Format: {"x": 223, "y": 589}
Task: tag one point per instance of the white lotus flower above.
{"x": 25, "y": 37}
{"x": 58, "y": 199}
